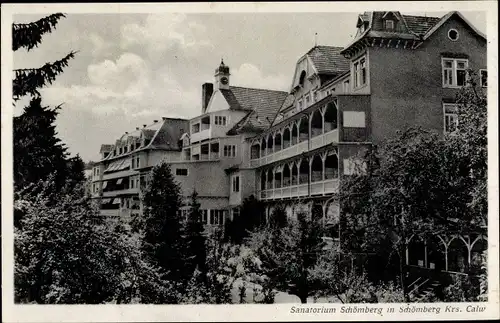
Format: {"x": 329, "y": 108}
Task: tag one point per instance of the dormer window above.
{"x": 362, "y": 28}
{"x": 302, "y": 78}
{"x": 389, "y": 25}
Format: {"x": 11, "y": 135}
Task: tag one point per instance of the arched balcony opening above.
{"x": 270, "y": 145}
{"x": 317, "y": 212}
{"x": 331, "y": 117}
{"x": 436, "y": 253}
{"x": 263, "y": 147}
{"x": 270, "y": 177}
{"x": 458, "y": 255}
{"x": 255, "y": 151}
{"x": 331, "y": 166}
{"x": 277, "y": 141}
{"x": 304, "y": 172}
{"x": 286, "y": 138}
{"x": 278, "y": 177}
{"x": 303, "y": 129}
{"x": 477, "y": 254}
{"x": 317, "y": 169}
{"x": 295, "y": 174}
{"x": 263, "y": 180}
{"x": 316, "y": 123}
{"x": 416, "y": 252}
{"x": 286, "y": 176}
{"x": 295, "y": 134}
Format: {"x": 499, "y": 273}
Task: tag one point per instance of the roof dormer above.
{"x": 390, "y": 20}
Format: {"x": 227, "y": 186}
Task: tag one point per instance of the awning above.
{"x": 105, "y": 201}
{"x": 104, "y": 184}
{"x": 116, "y": 201}
{"x": 119, "y": 181}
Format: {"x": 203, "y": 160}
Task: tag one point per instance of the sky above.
{"x": 131, "y": 69}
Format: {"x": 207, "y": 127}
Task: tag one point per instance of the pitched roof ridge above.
{"x": 254, "y": 88}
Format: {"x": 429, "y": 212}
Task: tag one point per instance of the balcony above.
{"x": 317, "y": 188}
{"x": 303, "y": 146}
{"x": 128, "y": 191}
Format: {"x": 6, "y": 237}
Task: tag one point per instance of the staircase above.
{"x": 421, "y": 288}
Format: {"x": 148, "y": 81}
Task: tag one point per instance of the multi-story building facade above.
{"x": 294, "y": 148}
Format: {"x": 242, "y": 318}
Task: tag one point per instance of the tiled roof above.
{"x": 420, "y": 25}
{"x": 262, "y": 106}
{"x": 328, "y": 60}
{"x": 169, "y": 134}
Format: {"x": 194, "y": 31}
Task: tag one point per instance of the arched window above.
{"x": 295, "y": 174}
{"x": 286, "y": 176}
{"x": 277, "y": 141}
{"x": 331, "y": 166}
{"x": 277, "y": 177}
{"x": 263, "y": 146}
{"x": 255, "y": 151}
{"x": 286, "y": 138}
{"x": 458, "y": 255}
{"x": 317, "y": 169}
{"x": 303, "y": 129}
{"x": 270, "y": 177}
{"x": 304, "y": 172}
{"x": 295, "y": 134}
{"x": 270, "y": 140}
{"x": 330, "y": 117}
{"x": 416, "y": 252}
{"x": 302, "y": 78}
{"x": 316, "y": 123}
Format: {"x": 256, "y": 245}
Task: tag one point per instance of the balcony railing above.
{"x": 316, "y": 142}
{"x": 121, "y": 192}
{"x": 317, "y": 188}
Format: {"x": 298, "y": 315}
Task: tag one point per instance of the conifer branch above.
{"x": 30, "y": 35}
{"x": 27, "y": 81}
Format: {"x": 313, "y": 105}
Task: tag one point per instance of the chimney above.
{"x": 136, "y": 128}
{"x": 164, "y": 118}
{"x": 207, "y": 89}
{"x": 144, "y": 126}
{"x": 126, "y": 132}
{"x": 155, "y": 121}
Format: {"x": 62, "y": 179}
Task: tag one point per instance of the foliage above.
{"x": 483, "y": 278}
{"x": 288, "y": 254}
{"x": 252, "y": 216}
{"x": 162, "y": 226}
{"x": 462, "y": 289}
{"x": 278, "y": 218}
{"x": 66, "y": 254}
{"x": 195, "y": 254}
{"x": 30, "y": 35}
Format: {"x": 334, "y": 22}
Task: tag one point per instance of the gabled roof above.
{"x": 105, "y": 148}
{"x": 261, "y": 104}
{"x": 446, "y": 17}
{"x": 328, "y": 60}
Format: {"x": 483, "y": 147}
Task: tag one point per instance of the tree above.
{"x": 66, "y": 254}
{"x": 289, "y": 254}
{"x": 252, "y": 216}
{"x": 37, "y": 150}
{"x": 196, "y": 254}
{"x": 278, "y": 218}
{"x": 37, "y": 156}
{"x": 162, "y": 224}
{"x": 420, "y": 183}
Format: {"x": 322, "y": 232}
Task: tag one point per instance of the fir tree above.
{"x": 37, "y": 150}
{"x": 278, "y": 218}
{"x": 28, "y": 81}
{"x": 195, "y": 242}
{"x": 162, "y": 227}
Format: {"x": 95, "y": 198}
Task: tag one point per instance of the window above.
{"x": 299, "y": 104}
{"x": 135, "y": 162}
{"x": 454, "y": 72}
{"x": 236, "y": 183}
{"x": 132, "y": 182}
{"x": 196, "y": 128}
{"x": 220, "y": 120}
{"x": 354, "y": 119}
{"x": 360, "y": 74}
{"x": 450, "y": 117}
{"x": 216, "y": 217}
{"x": 204, "y": 216}
{"x": 389, "y": 24}
{"x": 236, "y": 212}
{"x": 181, "y": 171}
{"x": 453, "y": 34}
{"x": 346, "y": 86}
{"x": 315, "y": 96}
{"x": 483, "y": 74}
{"x": 229, "y": 151}
{"x": 308, "y": 100}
